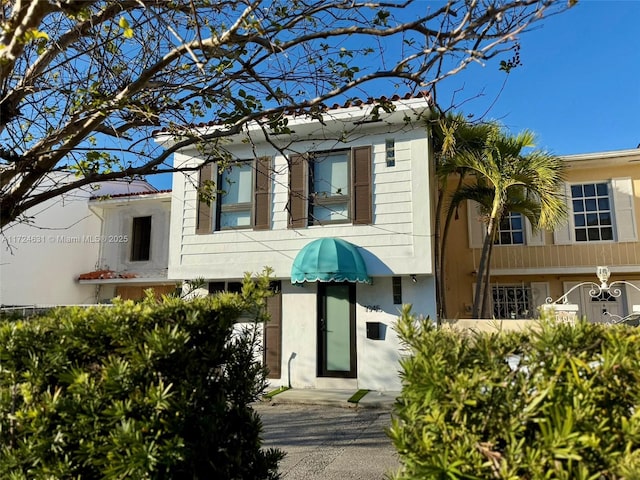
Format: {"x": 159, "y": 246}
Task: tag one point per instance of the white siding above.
{"x": 398, "y": 242}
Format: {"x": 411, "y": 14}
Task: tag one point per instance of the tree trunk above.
{"x": 477, "y": 300}
{"x": 438, "y": 264}
{"x": 484, "y": 309}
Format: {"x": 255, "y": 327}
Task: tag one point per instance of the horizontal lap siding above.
{"x": 575, "y": 255}
{"x": 249, "y": 250}
{"x": 392, "y": 187}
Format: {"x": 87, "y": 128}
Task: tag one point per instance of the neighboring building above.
{"x": 134, "y": 248}
{"x": 40, "y": 261}
{"x": 341, "y": 212}
{"x": 603, "y": 197}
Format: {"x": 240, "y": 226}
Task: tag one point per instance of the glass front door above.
{"x": 336, "y": 330}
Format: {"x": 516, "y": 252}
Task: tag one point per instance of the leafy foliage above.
{"x": 559, "y": 401}
{"x": 84, "y": 84}
{"x": 139, "y": 390}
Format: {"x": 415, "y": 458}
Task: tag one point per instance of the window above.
{"x": 233, "y": 287}
{"x": 140, "y": 239}
{"x": 592, "y": 215}
{"x": 599, "y": 211}
{"x": 329, "y": 177}
{"x": 390, "y": 150}
{"x": 603, "y": 296}
{"x": 512, "y": 301}
{"x": 330, "y": 187}
{"x": 235, "y": 197}
{"x": 397, "y": 290}
{"x": 243, "y": 197}
{"x": 511, "y": 230}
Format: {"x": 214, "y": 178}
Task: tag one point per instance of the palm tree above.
{"x": 510, "y": 178}
{"x": 453, "y": 134}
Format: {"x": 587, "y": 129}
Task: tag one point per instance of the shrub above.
{"x": 557, "y": 402}
{"x": 149, "y": 390}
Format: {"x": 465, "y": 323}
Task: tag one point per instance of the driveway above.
{"x": 325, "y": 442}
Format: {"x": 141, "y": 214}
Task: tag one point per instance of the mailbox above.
{"x": 375, "y": 330}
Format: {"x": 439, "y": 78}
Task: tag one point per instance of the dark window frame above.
{"x": 261, "y": 205}
{"x": 396, "y": 288}
{"x": 321, "y": 199}
{"x": 509, "y": 235}
{"x": 593, "y": 213}
{"x": 506, "y": 297}
{"x": 222, "y": 207}
{"x": 360, "y": 185}
{"x": 141, "y": 239}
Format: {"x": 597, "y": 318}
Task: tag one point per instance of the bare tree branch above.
{"x": 85, "y": 83}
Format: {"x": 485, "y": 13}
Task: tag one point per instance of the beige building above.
{"x": 527, "y": 267}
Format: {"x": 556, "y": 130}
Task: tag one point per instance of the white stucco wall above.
{"x": 118, "y": 215}
{"x": 377, "y": 360}
{"x": 40, "y": 261}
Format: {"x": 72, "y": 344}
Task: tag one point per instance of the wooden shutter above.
{"x": 273, "y": 334}
{"x": 262, "y": 195}
{"x": 475, "y": 226}
{"x": 563, "y": 234}
{"x": 361, "y": 188}
{"x": 204, "y": 217}
{"x": 298, "y": 191}
{"x": 532, "y": 238}
{"x": 625, "y": 218}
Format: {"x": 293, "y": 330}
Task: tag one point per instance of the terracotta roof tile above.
{"x": 130, "y": 194}
{"x": 105, "y": 275}
{"x": 325, "y": 108}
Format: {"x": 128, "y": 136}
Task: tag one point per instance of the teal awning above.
{"x": 329, "y": 260}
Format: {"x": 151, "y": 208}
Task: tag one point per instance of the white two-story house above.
{"x": 133, "y": 251}
{"x": 42, "y": 258}
{"x": 340, "y": 210}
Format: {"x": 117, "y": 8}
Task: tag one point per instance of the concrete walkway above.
{"x": 337, "y": 398}
{"x": 325, "y": 442}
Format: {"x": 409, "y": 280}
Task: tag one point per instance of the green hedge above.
{"x": 134, "y": 391}
{"x": 558, "y": 402}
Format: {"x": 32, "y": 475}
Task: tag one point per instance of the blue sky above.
{"x": 578, "y": 87}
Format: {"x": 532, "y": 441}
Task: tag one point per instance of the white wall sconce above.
{"x": 603, "y": 275}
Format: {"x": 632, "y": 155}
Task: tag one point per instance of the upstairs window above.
{"x": 140, "y": 239}
{"x": 511, "y": 230}
{"x": 330, "y": 187}
{"x": 592, "y": 215}
{"x": 243, "y": 198}
{"x": 235, "y": 197}
{"x": 329, "y": 201}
